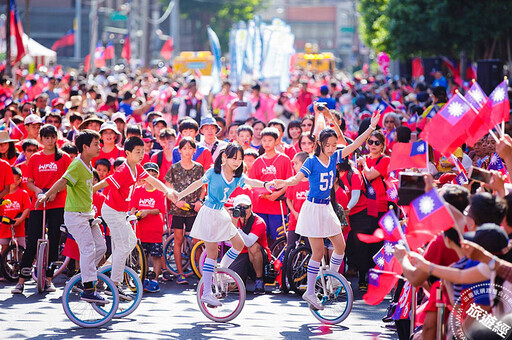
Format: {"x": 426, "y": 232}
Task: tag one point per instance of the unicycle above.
{"x": 335, "y": 294}
{"x": 87, "y": 314}
{"x": 133, "y": 289}
{"x": 42, "y": 255}
{"x": 229, "y": 288}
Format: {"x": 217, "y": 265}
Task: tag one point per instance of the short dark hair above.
{"x": 251, "y": 152}
{"x": 74, "y": 117}
{"x": 487, "y": 208}
{"x": 132, "y": 142}
{"x": 85, "y": 137}
{"x": 270, "y": 131}
{"x": 16, "y": 171}
{"x": 119, "y": 161}
{"x": 29, "y": 142}
{"x": 188, "y": 124}
{"x": 187, "y": 140}
{"x": 134, "y": 130}
{"x": 403, "y": 134}
{"x": 219, "y": 119}
{"x": 69, "y": 148}
{"x": 54, "y": 115}
{"x": 456, "y": 195}
{"x": 104, "y": 162}
{"x": 234, "y": 124}
{"x": 167, "y": 133}
{"x": 96, "y": 175}
{"x": 245, "y": 128}
{"x": 277, "y": 122}
{"x": 301, "y": 156}
{"x": 256, "y": 122}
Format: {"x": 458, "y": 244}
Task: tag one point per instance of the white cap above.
{"x": 242, "y": 199}
{"x": 109, "y": 126}
{"x": 119, "y": 115}
{"x": 33, "y": 119}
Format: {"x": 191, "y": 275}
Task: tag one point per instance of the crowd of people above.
{"x": 243, "y": 148}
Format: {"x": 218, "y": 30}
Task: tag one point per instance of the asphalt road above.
{"x": 173, "y": 313}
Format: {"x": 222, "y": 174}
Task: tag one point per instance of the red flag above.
{"x": 409, "y": 155}
{"x": 127, "y": 50}
{"x": 67, "y": 39}
{"x": 448, "y": 128}
{"x": 109, "y": 50}
{"x": 429, "y": 213}
{"x": 17, "y": 31}
{"x": 417, "y": 68}
{"x": 480, "y": 126}
{"x": 87, "y": 62}
{"x": 167, "y": 49}
{"x": 380, "y": 284}
{"x": 499, "y": 103}
{"x": 384, "y": 108}
{"x": 99, "y": 55}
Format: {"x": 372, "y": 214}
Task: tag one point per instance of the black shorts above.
{"x": 179, "y": 221}
{"x": 243, "y": 267}
{"x": 153, "y": 249}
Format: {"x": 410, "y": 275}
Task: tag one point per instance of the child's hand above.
{"x": 181, "y": 204}
{"x": 296, "y": 214}
{"x": 278, "y": 183}
{"x": 142, "y": 214}
{"x": 198, "y": 206}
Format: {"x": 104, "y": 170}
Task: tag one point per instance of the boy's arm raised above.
{"x": 56, "y": 187}
{"x": 155, "y": 182}
{"x": 290, "y": 182}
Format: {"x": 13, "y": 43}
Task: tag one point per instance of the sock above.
{"x": 313, "y": 268}
{"x": 209, "y": 265}
{"x": 229, "y": 257}
{"x": 336, "y": 261}
{"x": 89, "y": 286}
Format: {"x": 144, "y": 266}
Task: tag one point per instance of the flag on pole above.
{"x": 496, "y": 163}
{"x": 499, "y": 103}
{"x": 87, "y": 63}
{"x": 127, "y": 50}
{"x": 99, "y": 55}
{"x": 17, "y": 31}
{"x": 67, "y": 39}
{"x": 167, "y": 49}
{"x": 384, "y": 109}
{"x": 409, "y": 155}
{"x": 412, "y": 122}
{"x": 109, "y": 52}
{"x": 217, "y": 54}
{"x": 428, "y": 213}
{"x": 390, "y": 225}
{"x": 481, "y": 125}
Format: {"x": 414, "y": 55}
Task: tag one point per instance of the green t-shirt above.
{"x": 79, "y": 187}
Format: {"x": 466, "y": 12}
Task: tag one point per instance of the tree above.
{"x": 220, "y": 15}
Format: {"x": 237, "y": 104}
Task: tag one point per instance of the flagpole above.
{"x": 8, "y": 69}
{"x": 93, "y": 18}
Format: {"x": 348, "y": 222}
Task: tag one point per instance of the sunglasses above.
{"x": 389, "y": 121}
{"x": 376, "y": 142}
{"x": 306, "y": 124}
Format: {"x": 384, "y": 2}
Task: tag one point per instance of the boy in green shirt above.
{"x": 78, "y": 212}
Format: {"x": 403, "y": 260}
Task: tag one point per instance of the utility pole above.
{"x": 145, "y": 34}
{"x": 27, "y": 17}
{"x": 175, "y": 26}
{"x": 8, "y": 70}
{"x": 78, "y": 28}
{"x": 93, "y": 18}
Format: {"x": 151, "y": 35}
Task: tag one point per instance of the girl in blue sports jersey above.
{"x": 317, "y": 219}
{"x": 213, "y": 222}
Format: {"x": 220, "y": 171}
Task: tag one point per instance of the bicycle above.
{"x": 229, "y": 288}
{"x": 186, "y": 257}
{"x": 335, "y": 294}
{"x": 12, "y": 255}
{"x": 87, "y": 314}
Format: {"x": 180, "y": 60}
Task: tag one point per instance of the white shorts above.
{"x": 317, "y": 220}
{"x": 213, "y": 225}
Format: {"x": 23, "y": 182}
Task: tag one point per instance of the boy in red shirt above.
{"x": 114, "y": 210}
{"x": 269, "y": 166}
{"x": 6, "y": 179}
{"x": 17, "y": 210}
{"x": 109, "y": 150}
{"x": 147, "y": 203}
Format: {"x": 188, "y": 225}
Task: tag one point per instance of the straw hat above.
{"x": 5, "y": 138}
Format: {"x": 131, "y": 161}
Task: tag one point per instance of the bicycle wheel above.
{"x": 132, "y": 281}
{"x": 41, "y": 265}
{"x": 297, "y": 271}
{"x": 337, "y": 298}
{"x": 228, "y": 287}
{"x": 61, "y": 266}
{"x": 186, "y": 250}
{"x": 84, "y": 313}
{"x": 195, "y": 256}
{"x": 11, "y": 260}
{"x": 277, "y": 247}
{"x": 138, "y": 261}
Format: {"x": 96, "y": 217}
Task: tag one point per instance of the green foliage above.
{"x": 220, "y": 15}
{"x": 406, "y": 28}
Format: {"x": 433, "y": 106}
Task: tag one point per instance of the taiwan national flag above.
{"x": 447, "y": 129}
{"x": 17, "y": 31}
{"x": 380, "y": 282}
{"x": 409, "y": 155}
{"x": 99, "y": 55}
{"x": 389, "y": 223}
{"x": 429, "y": 214}
{"x": 412, "y": 122}
{"x": 481, "y": 125}
{"x": 109, "y": 50}
{"x": 497, "y": 164}
{"x": 384, "y": 108}
{"x": 499, "y": 104}
{"x": 67, "y": 39}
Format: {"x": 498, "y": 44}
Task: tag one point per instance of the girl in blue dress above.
{"x": 213, "y": 223}
{"x": 317, "y": 218}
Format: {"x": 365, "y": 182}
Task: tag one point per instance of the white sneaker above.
{"x": 313, "y": 301}
{"x": 211, "y": 300}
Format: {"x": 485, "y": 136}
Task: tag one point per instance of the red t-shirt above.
{"x": 150, "y": 228}
{"x": 98, "y": 199}
{"x": 278, "y": 167}
{"x": 164, "y": 167}
{"x": 145, "y": 159}
{"x": 290, "y": 151}
{"x": 437, "y": 253}
{"x": 298, "y": 194}
{"x": 23, "y": 185}
{"x": 123, "y": 183}
{"x": 111, "y": 156}
{"x": 238, "y": 191}
{"x": 356, "y": 183}
{"x": 45, "y": 171}
{"x": 19, "y": 202}
{"x": 378, "y": 183}
{"x": 205, "y": 159}
{"x": 259, "y": 228}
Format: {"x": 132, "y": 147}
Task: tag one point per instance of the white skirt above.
{"x": 317, "y": 220}
{"x": 212, "y": 225}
